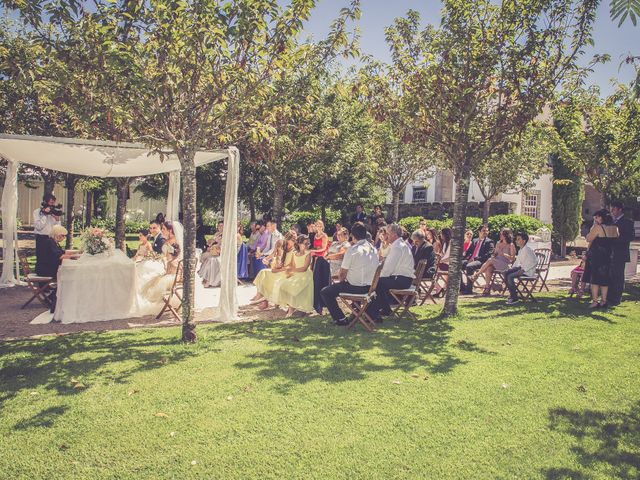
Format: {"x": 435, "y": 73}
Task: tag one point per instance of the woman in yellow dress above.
{"x": 296, "y": 289}
{"x": 266, "y": 278}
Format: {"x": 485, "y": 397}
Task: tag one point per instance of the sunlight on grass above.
{"x": 544, "y": 390}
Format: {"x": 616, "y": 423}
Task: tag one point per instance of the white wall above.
{"x": 544, "y": 185}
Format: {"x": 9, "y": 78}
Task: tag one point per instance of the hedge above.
{"x": 303, "y": 218}
{"x": 517, "y": 223}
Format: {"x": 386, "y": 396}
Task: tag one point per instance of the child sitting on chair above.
{"x": 577, "y": 285}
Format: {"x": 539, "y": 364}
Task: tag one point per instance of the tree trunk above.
{"x": 188, "y": 181}
{"x": 396, "y": 204}
{"x": 49, "y": 177}
{"x": 457, "y": 241}
{"x": 278, "y": 202}
{"x": 486, "y": 208}
{"x": 88, "y": 211}
{"x": 70, "y": 185}
{"x": 323, "y": 213}
{"x": 563, "y": 247}
{"x": 122, "y": 193}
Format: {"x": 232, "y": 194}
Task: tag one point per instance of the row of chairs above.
{"x": 422, "y": 290}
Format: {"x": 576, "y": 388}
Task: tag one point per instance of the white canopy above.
{"x": 97, "y": 158}
{"x": 94, "y": 158}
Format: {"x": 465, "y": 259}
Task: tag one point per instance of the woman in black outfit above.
{"x": 597, "y": 270}
{"x": 52, "y": 256}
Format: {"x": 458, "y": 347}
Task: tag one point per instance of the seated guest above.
{"x": 320, "y": 243}
{"x": 479, "y": 252}
{"x": 443, "y": 262}
{"x": 445, "y": 241}
{"x": 213, "y": 245}
{"x": 52, "y": 253}
{"x": 397, "y": 272}
{"x": 266, "y": 279}
{"x": 336, "y": 251}
{"x": 359, "y": 216}
{"x": 597, "y": 271}
{"x": 432, "y": 237}
{"x": 376, "y": 219}
{"x": 525, "y": 264}
{"x": 144, "y": 248}
{"x": 423, "y": 250}
{"x": 577, "y": 282}
{"x": 356, "y": 273}
{"x": 155, "y": 238}
{"x": 296, "y": 289}
{"x": 468, "y": 240}
{"x": 253, "y": 236}
{"x": 311, "y": 232}
{"x": 295, "y": 228}
{"x": 339, "y": 226}
{"x": 503, "y": 256}
{"x": 382, "y": 243}
{"x": 264, "y": 246}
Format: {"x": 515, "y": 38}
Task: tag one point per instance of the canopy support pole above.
{"x": 173, "y": 196}
{"x": 229, "y": 254}
{"x": 11, "y": 267}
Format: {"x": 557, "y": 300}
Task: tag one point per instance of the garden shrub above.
{"x": 304, "y": 217}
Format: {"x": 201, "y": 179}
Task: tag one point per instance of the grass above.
{"x": 543, "y": 390}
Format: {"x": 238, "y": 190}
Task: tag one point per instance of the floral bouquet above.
{"x": 95, "y": 241}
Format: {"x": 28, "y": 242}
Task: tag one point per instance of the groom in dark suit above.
{"x": 620, "y": 252}
{"x": 155, "y": 237}
{"x": 479, "y": 252}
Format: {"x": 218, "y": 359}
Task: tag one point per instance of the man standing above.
{"x": 525, "y": 264}
{"x": 397, "y": 272}
{"x": 356, "y": 273}
{"x": 43, "y": 221}
{"x": 479, "y": 252}
{"x": 359, "y": 216}
{"x": 274, "y": 236}
{"x": 620, "y": 252}
{"x": 155, "y": 237}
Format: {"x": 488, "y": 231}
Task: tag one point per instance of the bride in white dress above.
{"x": 153, "y": 284}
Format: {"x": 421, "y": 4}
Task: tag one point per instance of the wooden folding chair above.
{"x": 406, "y": 297}
{"x": 359, "y": 302}
{"x": 427, "y": 285}
{"x": 525, "y": 284}
{"x": 40, "y": 286}
{"x": 543, "y": 271}
{"x": 176, "y": 292}
{"x": 498, "y": 279}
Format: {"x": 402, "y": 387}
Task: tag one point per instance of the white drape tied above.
{"x": 173, "y": 196}
{"x": 229, "y": 253}
{"x": 10, "y": 276}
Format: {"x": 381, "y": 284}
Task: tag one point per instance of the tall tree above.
{"x": 480, "y": 78}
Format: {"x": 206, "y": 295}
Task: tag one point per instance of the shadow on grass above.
{"x": 46, "y": 418}
{"x": 315, "y": 349}
{"x": 557, "y": 304}
{"x": 605, "y": 442}
{"x": 60, "y": 363}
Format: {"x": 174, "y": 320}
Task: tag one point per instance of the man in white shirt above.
{"x": 356, "y": 273}
{"x": 397, "y": 272}
{"x": 43, "y": 221}
{"x": 525, "y": 264}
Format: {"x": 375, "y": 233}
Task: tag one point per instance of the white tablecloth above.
{"x": 96, "y": 288}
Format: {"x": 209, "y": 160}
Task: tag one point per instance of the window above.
{"x": 531, "y": 204}
{"x": 419, "y": 195}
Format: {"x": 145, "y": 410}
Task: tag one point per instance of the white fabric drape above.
{"x": 173, "y": 196}
{"x": 228, "y": 255}
{"x": 9, "y": 230}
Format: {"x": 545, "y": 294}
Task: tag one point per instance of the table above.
{"x": 96, "y": 288}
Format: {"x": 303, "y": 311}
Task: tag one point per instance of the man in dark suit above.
{"x": 155, "y": 237}
{"x": 479, "y": 252}
{"x": 621, "y": 256}
{"x": 423, "y": 250}
{"x": 359, "y": 216}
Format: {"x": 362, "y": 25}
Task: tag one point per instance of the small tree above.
{"x": 476, "y": 82}
{"x": 517, "y": 170}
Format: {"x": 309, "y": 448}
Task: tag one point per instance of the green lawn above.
{"x": 537, "y": 391}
